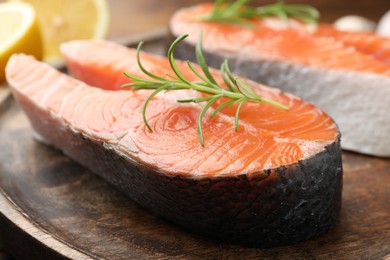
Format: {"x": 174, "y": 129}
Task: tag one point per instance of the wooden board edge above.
{"x": 5, "y": 94}
{"x": 24, "y": 240}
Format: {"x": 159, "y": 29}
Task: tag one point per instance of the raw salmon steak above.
{"x": 346, "y": 74}
{"x": 277, "y": 180}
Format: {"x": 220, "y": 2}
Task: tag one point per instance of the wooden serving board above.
{"x": 51, "y": 207}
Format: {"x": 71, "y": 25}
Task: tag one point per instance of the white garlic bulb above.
{"x": 383, "y": 28}
{"x": 355, "y": 23}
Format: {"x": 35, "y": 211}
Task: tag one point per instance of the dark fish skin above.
{"x": 273, "y": 207}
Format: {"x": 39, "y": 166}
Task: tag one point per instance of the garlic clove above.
{"x": 383, "y": 28}
{"x": 354, "y": 23}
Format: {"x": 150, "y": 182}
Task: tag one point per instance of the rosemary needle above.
{"x": 239, "y": 13}
{"x": 236, "y": 92}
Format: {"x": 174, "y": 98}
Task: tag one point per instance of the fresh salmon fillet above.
{"x": 115, "y": 117}
{"x": 256, "y": 186}
{"x": 297, "y": 44}
{"x": 345, "y": 74}
{"x": 94, "y": 68}
{"x": 364, "y": 42}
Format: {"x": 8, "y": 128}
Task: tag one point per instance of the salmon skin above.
{"x": 345, "y": 74}
{"x": 277, "y": 180}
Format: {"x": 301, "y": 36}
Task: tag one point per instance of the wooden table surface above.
{"x": 136, "y": 19}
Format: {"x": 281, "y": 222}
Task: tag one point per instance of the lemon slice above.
{"x": 65, "y": 20}
{"x": 19, "y": 32}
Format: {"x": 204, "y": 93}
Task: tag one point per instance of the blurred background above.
{"x": 134, "y": 20}
{"x": 139, "y": 16}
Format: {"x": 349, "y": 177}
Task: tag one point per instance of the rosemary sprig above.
{"x": 239, "y": 13}
{"x": 236, "y": 92}
{"x": 305, "y": 13}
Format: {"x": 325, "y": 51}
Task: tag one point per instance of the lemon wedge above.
{"x": 65, "y": 20}
{"x": 19, "y": 32}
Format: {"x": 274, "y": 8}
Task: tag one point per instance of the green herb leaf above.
{"x": 202, "y": 62}
{"x": 305, "y": 13}
{"x": 239, "y": 13}
{"x": 201, "y": 115}
{"x": 236, "y": 92}
{"x": 242, "y": 102}
{"x": 246, "y": 91}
